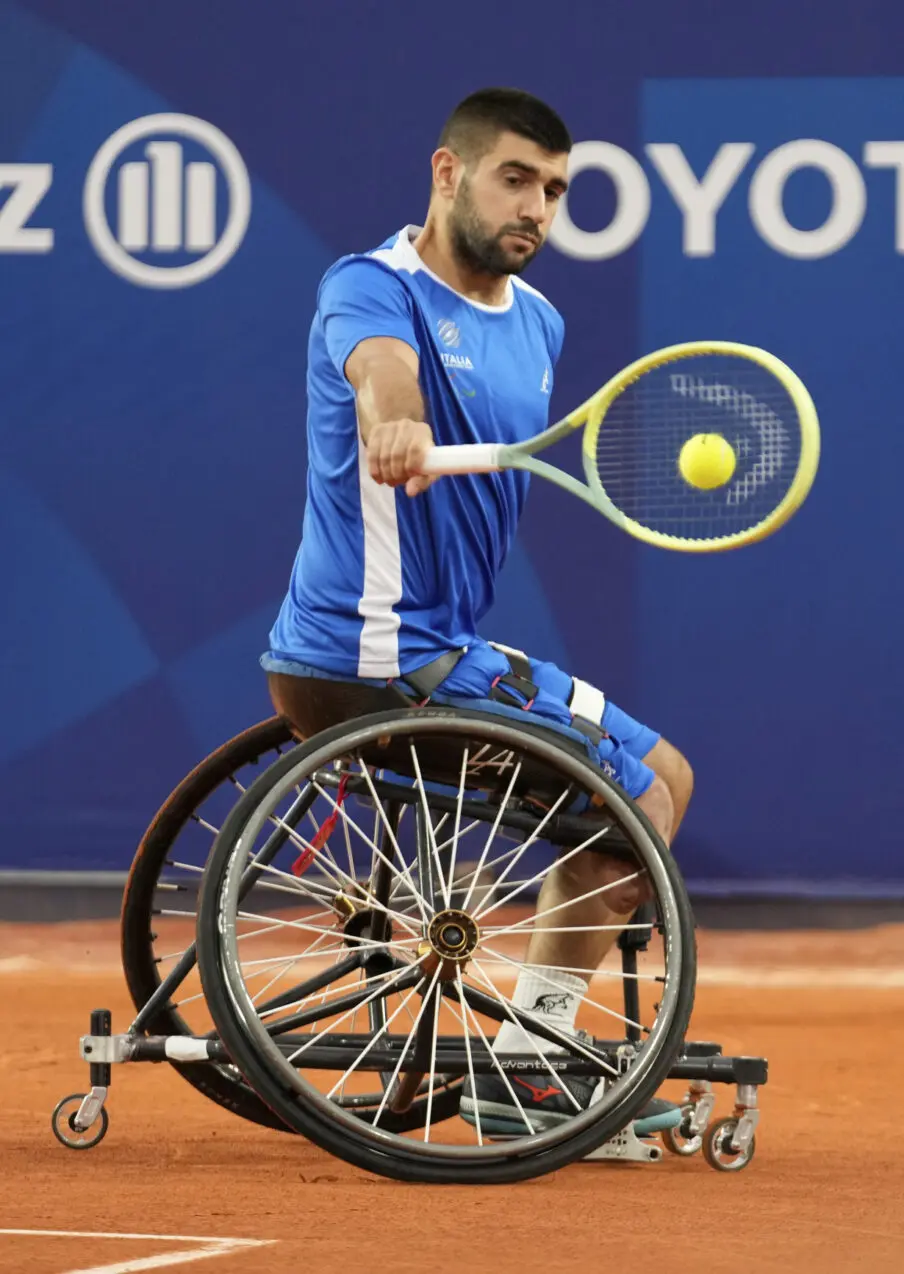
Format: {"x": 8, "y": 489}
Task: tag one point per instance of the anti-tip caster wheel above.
{"x": 717, "y": 1147}
{"x": 62, "y": 1121}
{"x": 680, "y": 1140}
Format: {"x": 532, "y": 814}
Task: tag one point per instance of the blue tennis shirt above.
{"x": 384, "y": 583}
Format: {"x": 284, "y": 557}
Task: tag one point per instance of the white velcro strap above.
{"x": 178, "y": 1048}
{"x": 507, "y": 650}
{"x": 586, "y": 701}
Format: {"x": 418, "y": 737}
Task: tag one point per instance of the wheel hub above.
{"x": 452, "y": 938}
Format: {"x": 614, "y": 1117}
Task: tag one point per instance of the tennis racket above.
{"x": 645, "y": 440}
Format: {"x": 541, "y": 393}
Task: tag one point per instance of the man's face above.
{"x": 503, "y": 208}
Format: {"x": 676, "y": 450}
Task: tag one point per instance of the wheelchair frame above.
{"x": 80, "y": 1121}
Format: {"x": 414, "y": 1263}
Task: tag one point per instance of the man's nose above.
{"x": 533, "y": 206}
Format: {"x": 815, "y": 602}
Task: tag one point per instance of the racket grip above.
{"x": 474, "y": 457}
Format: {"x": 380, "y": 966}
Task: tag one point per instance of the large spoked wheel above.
{"x": 159, "y": 909}
{"x": 159, "y": 916}
{"x": 372, "y": 1031}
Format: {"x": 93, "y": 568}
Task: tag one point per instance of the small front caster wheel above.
{"x": 680, "y": 1140}
{"x": 62, "y": 1121}
{"x": 717, "y": 1147}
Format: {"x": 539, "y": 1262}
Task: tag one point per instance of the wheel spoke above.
{"x": 363, "y": 944}
{"x": 305, "y": 928}
{"x": 283, "y": 968}
{"x": 570, "y": 1043}
{"x": 527, "y": 1039}
{"x": 378, "y": 1035}
{"x": 432, "y": 1074}
{"x": 366, "y": 895}
{"x": 525, "y": 845}
{"x": 428, "y": 823}
{"x": 590, "y": 973}
{"x": 405, "y": 873}
{"x": 559, "y": 986}
{"x": 502, "y": 930}
{"x": 397, "y": 976}
{"x": 208, "y": 827}
{"x": 323, "y": 995}
{"x": 467, "y": 1038}
{"x": 348, "y": 850}
{"x": 393, "y": 1079}
{"x": 528, "y": 1130}
{"x": 458, "y": 803}
{"x": 293, "y": 832}
{"x": 542, "y": 874}
{"x": 375, "y": 848}
{"x": 512, "y": 853}
{"x": 518, "y": 926}
{"x": 474, "y": 874}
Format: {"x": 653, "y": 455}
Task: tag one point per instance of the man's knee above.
{"x": 658, "y": 805}
{"x": 674, "y": 769}
{"x": 617, "y": 883}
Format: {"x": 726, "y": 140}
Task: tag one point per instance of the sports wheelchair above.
{"x": 323, "y": 938}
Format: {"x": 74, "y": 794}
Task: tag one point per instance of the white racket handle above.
{"x": 472, "y": 457}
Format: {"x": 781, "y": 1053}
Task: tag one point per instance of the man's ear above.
{"x": 447, "y": 168}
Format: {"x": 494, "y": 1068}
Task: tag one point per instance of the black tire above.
{"x": 256, "y": 1055}
{"x": 717, "y": 1149}
{"x": 221, "y": 1084}
{"x": 62, "y": 1122}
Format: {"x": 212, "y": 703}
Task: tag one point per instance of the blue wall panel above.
{"x": 152, "y": 438}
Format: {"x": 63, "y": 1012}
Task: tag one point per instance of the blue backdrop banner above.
{"x": 174, "y": 182}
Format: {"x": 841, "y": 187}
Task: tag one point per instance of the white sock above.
{"x": 554, "y": 997}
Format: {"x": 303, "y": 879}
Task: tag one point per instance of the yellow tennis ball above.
{"x": 707, "y": 461}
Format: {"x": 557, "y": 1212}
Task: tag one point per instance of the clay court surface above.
{"x": 824, "y": 1193}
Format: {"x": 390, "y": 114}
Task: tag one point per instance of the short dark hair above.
{"x": 472, "y": 128}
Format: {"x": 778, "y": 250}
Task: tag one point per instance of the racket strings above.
{"x": 638, "y": 447}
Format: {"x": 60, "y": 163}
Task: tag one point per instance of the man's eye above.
{"x": 513, "y": 180}
{"x": 554, "y": 195}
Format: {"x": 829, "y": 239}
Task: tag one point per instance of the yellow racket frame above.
{"x": 490, "y": 457}
{"x": 592, "y": 416}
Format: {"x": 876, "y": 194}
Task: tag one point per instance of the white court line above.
{"x": 210, "y": 1247}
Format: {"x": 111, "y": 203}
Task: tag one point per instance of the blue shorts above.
{"x": 620, "y": 755}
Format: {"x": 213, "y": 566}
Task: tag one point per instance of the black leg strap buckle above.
{"x": 525, "y": 691}
{"x": 589, "y": 729}
{"x": 425, "y": 680}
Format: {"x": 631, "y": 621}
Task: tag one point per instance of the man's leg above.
{"x": 665, "y": 803}
{"x": 544, "y": 988}
{"x": 675, "y": 771}
{"x": 611, "y": 909}
{"x": 598, "y": 919}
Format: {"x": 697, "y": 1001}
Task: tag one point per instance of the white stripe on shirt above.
{"x": 378, "y": 652}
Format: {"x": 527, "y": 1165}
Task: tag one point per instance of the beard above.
{"x": 478, "y": 247}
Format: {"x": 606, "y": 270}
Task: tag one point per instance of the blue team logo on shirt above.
{"x": 449, "y": 333}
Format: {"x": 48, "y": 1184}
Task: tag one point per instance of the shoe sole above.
{"x": 497, "y": 1118}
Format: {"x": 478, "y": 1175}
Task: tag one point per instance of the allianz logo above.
{"x": 699, "y": 198}
{"x": 144, "y": 215}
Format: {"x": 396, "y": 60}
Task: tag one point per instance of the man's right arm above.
{"x": 383, "y": 371}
